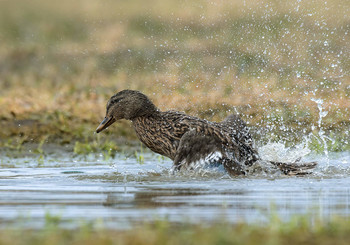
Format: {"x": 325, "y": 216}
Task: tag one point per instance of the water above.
{"x": 121, "y": 193}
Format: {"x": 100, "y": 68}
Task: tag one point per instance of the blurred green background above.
{"x": 60, "y": 61}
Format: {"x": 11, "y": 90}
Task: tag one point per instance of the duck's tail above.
{"x": 296, "y": 168}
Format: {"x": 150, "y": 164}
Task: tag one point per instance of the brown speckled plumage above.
{"x": 185, "y": 139}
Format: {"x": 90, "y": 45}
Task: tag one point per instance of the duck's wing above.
{"x": 195, "y": 147}
{"x": 238, "y": 129}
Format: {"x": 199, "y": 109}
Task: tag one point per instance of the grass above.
{"x": 108, "y": 148}
{"x": 60, "y": 62}
{"x": 299, "y": 230}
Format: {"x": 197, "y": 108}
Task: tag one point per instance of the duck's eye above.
{"x": 113, "y": 102}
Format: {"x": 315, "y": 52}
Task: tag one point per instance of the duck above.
{"x": 188, "y": 140}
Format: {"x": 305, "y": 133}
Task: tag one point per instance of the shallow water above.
{"x": 121, "y": 192}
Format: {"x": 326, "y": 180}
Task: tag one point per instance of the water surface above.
{"x": 121, "y": 192}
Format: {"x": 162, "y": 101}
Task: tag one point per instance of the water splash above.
{"x": 277, "y": 152}
{"x": 322, "y": 113}
{"x": 321, "y": 132}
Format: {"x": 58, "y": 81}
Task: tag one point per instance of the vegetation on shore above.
{"x": 299, "y": 230}
{"x": 267, "y": 60}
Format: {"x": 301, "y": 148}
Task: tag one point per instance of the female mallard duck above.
{"x": 187, "y": 139}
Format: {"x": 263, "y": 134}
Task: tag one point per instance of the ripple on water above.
{"x": 123, "y": 192}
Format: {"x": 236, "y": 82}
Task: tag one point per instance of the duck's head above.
{"x": 126, "y": 104}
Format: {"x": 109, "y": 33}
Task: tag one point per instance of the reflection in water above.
{"x": 125, "y": 193}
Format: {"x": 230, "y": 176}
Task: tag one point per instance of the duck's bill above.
{"x": 107, "y": 121}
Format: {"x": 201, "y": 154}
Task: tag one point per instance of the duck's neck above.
{"x": 146, "y": 125}
{"x": 148, "y": 130}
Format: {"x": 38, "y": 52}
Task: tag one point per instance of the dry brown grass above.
{"x": 61, "y": 61}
